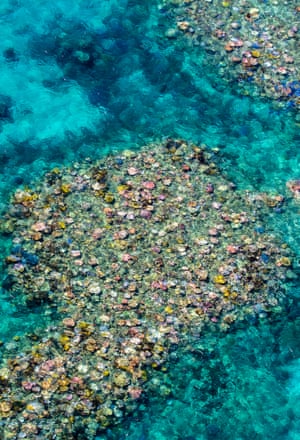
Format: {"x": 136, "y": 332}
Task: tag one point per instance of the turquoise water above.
{"x": 81, "y": 80}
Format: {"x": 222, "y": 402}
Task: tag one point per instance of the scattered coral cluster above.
{"x": 138, "y": 252}
{"x": 252, "y": 41}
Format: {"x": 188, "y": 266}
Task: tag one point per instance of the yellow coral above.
{"x": 65, "y": 188}
{"x": 255, "y": 53}
{"x": 122, "y": 188}
{"x": 226, "y": 292}
{"x": 219, "y": 279}
{"x": 63, "y": 339}
{"x": 5, "y": 407}
{"x": 158, "y": 348}
{"x": 46, "y": 383}
{"x": 121, "y": 380}
{"x": 109, "y": 198}
{"x": 284, "y": 261}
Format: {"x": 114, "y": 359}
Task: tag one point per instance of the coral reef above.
{"x": 138, "y": 252}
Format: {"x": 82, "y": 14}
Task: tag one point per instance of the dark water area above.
{"x": 82, "y": 80}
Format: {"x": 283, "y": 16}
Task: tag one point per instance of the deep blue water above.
{"x": 79, "y": 79}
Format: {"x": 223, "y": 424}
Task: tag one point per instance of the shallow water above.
{"x": 79, "y": 80}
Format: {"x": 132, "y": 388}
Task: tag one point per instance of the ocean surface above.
{"x": 84, "y": 79}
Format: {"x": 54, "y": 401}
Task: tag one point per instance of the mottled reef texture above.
{"x": 138, "y": 253}
{"x": 253, "y": 42}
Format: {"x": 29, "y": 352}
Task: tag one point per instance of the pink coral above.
{"x": 294, "y": 187}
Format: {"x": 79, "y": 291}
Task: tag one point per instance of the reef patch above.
{"x": 138, "y": 252}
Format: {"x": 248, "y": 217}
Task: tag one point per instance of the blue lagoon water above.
{"x": 83, "y": 79}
